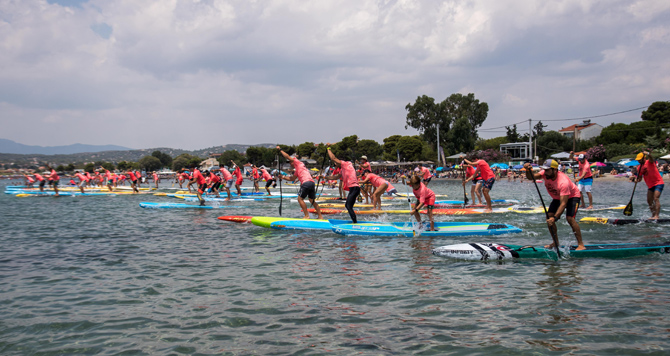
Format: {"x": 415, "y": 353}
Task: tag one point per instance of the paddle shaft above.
{"x": 546, "y": 214}
{"x": 281, "y": 195}
{"x": 318, "y": 177}
{"x": 465, "y": 195}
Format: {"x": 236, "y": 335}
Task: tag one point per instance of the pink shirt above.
{"x": 348, "y": 175}
{"x": 485, "y": 170}
{"x": 155, "y": 176}
{"x": 301, "y": 171}
{"x": 650, "y": 173}
{"x": 266, "y": 175}
{"x": 226, "y": 174}
{"x": 562, "y": 185}
{"x": 82, "y": 178}
{"x": 424, "y": 195}
{"x": 375, "y": 180}
{"x": 585, "y": 168}
{"x": 425, "y": 172}
{"x": 390, "y": 187}
{"x": 254, "y": 173}
{"x": 54, "y": 176}
{"x": 131, "y": 175}
{"x": 238, "y": 173}
{"x": 39, "y": 177}
{"x": 199, "y": 178}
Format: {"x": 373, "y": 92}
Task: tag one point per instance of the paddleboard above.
{"x": 152, "y": 205}
{"x": 223, "y": 200}
{"x": 411, "y": 230}
{"x": 613, "y": 221}
{"x": 493, "y": 251}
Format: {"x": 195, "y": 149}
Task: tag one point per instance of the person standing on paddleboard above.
{"x": 268, "y": 180}
{"x": 54, "y": 179}
{"x": 133, "y": 181}
{"x": 201, "y": 182}
{"x": 380, "y": 186}
{"x": 424, "y": 198}
{"x": 307, "y": 185}
{"x": 488, "y": 178}
{"x": 41, "y": 180}
{"x": 227, "y": 182}
{"x": 584, "y": 178}
{"x": 239, "y": 178}
{"x": 476, "y": 190}
{"x": 349, "y": 180}
{"x": 652, "y": 177}
{"x": 565, "y": 197}
{"x": 82, "y": 181}
{"x": 424, "y": 173}
{"x": 255, "y": 177}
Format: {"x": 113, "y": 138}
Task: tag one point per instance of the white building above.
{"x": 583, "y": 131}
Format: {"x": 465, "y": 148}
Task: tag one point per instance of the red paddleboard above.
{"x": 236, "y": 218}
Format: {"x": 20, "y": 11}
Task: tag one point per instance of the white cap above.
{"x": 581, "y": 156}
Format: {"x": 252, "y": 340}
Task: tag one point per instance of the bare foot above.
{"x": 488, "y": 210}
{"x": 549, "y": 246}
{"x": 580, "y": 247}
{"x": 589, "y": 207}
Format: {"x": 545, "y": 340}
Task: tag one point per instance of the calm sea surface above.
{"x": 102, "y": 276}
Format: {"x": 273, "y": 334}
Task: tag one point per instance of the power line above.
{"x": 571, "y": 119}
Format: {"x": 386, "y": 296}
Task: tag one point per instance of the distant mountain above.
{"x": 9, "y": 146}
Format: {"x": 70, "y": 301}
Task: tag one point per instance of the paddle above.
{"x": 318, "y": 177}
{"x": 546, "y": 214}
{"x": 281, "y": 196}
{"x": 465, "y": 195}
{"x": 628, "y": 210}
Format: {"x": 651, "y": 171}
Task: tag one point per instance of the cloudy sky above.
{"x": 198, "y": 73}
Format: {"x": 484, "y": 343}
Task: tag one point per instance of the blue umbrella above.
{"x": 632, "y": 163}
{"x": 518, "y": 166}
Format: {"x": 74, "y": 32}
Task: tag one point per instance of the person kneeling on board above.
{"x": 425, "y": 198}
{"x": 307, "y": 186}
{"x": 565, "y": 194}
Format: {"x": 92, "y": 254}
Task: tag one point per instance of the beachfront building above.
{"x": 584, "y": 131}
{"x": 517, "y": 151}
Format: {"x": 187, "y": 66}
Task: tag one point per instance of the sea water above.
{"x": 102, "y": 276}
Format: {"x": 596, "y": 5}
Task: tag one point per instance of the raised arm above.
{"x": 332, "y": 155}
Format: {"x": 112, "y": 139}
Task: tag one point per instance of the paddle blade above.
{"x": 628, "y": 210}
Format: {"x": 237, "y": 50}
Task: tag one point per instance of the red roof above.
{"x": 572, "y": 128}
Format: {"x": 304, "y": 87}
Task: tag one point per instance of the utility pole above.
{"x": 530, "y": 139}
{"x": 438, "y": 144}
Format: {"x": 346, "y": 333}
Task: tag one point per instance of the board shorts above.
{"x": 488, "y": 184}
{"x": 55, "y": 182}
{"x": 43, "y": 183}
{"x": 570, "y": 210}
{"x": 269, "y": 183}
{"x": 82, "y": 184}
{"x": 307, "y": 189}
{"x": 427, "y": 180}
{"x": 202, "y": 188}
{"x": 474, "y": 182}
{"x": 229, "y": 183}
{"x": 585, "y": 185}
{"x": 134, "y": 182}
{"x": 391, "y": 192}
{"x": 657, "y": 188}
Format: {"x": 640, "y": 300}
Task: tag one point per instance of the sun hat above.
{"x": 364, "y": 157}
{"x": 639, "y": 156}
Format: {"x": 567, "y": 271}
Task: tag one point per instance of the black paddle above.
{"x": 318, "y": 177}
{"x": 546, "y": 214}
{"x": 465, "y": 195}
{"x": 628, "y": 210}
{"x": 281, "y": 196}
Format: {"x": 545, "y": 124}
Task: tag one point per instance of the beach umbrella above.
{"x": 598, "y": 164}
{"x": 518, "y": 166}
{"x": 632, "y": 163}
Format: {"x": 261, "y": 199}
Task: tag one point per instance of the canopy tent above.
{"x": 665, "y": 157}
{"x": 561, "y": 155}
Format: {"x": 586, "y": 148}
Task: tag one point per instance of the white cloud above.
{"x": 291, "y": 71}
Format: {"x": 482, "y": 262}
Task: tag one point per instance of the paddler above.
{"x": 307, "y": 186}
{"x": 41, "y": 180}
{"x": 425, "y": 198}
{"x": 565, "y": 197}
{"x": 268, "y": 180}
{"x": 240, "y": 178}
{"x": 476, "y": 190}
{"x": 488, "y": 178}
{"x": 214, "y": 182}
{"x": 255, "y": 177}
{"x": 347, "y": 175}
{"x": 424, "y": 173}
{"x": 83, "y": 180}
{"x": 584, "y": 178}
{"x": 108, "y": 179}
{"x": 156, "y": 178}
{"x": 366, "y": 189}
{"x": 227, "y": 181}
{"x": 54, "y": 179}
{"x": 201, "y": 182}
{"x": 649, "y": 172}
{"x": 380, "y": 186}
{"x": 29, "y": 180}
{"x": 133, "y": 181}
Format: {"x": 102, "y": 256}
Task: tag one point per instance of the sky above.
{"x": 193, "y": 74}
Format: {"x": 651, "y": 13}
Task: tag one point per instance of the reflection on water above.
{"x": 101, "y": 275}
